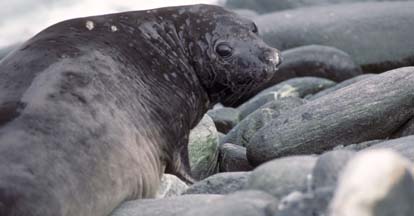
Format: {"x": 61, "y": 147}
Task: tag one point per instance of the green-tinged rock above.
{"x": 247, "y": 128}
{"x": 203, "y": 149}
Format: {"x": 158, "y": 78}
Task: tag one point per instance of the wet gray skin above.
{"x": 93, "y": 110}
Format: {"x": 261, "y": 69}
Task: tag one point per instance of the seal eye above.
{"x": 224, "y": 50}
{"x": 255, "y": 29}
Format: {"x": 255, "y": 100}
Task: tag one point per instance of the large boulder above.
{"x": 370, "y": 109}
{"x": 377, "y": 35}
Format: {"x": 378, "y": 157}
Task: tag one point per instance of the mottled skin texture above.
{"x": 93, "y": 110}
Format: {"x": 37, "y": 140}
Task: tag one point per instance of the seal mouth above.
{"x": 267, "y": 73}
{"x": 272, "y": 57}
{"x": 275, "y": 58}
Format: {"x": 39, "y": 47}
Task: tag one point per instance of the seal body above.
{"x": 93, "y": 110}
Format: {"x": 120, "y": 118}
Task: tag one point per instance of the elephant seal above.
{"x": 93, "y": 110}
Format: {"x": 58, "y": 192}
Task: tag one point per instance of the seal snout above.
{"x": 272, "y": 56}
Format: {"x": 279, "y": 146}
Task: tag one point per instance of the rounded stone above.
{"x": 329, "y": 166}
{"x": 245, "y": 130}
{"x": 203, "y": 149}
{"x": 282, "y": 176}
{"x": 233, "y": 158}
{"x": 170, "y": 186}
{"x": 224, "y": 118}
{"x": 220, "y": 183}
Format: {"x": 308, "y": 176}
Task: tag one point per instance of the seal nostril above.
{"x": 279, "y": 58}
{"x": 272, "y": 56}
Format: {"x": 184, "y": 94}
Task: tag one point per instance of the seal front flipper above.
{"x": 180, "y": 165}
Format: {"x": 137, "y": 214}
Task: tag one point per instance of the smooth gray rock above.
{"x": 170, "y": 186}
{"x": 367, "y": 110}
{"x": 282, "y": 176}
{"x": 203, "y": 149}
{"x": 265, "y": 6}
{"x": 375, "y": 183}
{"x": 377, "y": 35}
{"x": 328, "y": 167}
{"x": 243, "y": 203}
{"x": 220, "y": 183}
{"x": 172, "y": 206}
{"x": 296, "y": 87}
{"x": 404, "y": 146}
{"x": 233, "y": 158}
{"x": 313, "y": 203}
{"x": 339, "y": 86}
{"x": 316, "y": 61}
{"x": 245, "y": 130}
{"x": 224, "y": 118}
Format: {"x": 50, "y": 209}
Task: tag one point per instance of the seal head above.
{"x": 230, "y": 58}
